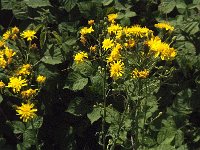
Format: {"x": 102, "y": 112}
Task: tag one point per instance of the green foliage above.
{"x": 80, "y": 102}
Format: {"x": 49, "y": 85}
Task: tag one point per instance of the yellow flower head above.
{"x": 116, "y": 69}
{"x": 16, "y": 83}
{"x": 29, "y": 35}
{"x": 140, "y": 74}
{"x": 26, "y": 111}
{"x": 86, "y": 30}
{"x": 90, "y": 22}
{"x": 28, "y": 93}
{"x": 130, "y": 43}
{"x": 83, "y": 40}
{"x": 3, "y": 62}
{"x": 115, "y": 53}
{"x": 80, "y": 57}
{"x": 137, "y": 31}
{"x": 2, "y": 43}
{"x": 6, "y": 35}
{"x": 41, "y": 79}
{"x": 15, "y": 30}
{"x": 93, "y": 48}
{"x": 107, "y": 43}
{"x": 2, "y": 85}
{"x": 9, "y": 53}
{"x": 164, "y": 25}
{"x": 114, "y": 29}
{"x": 24, "y": 70}
{"x": 112, "y": 17}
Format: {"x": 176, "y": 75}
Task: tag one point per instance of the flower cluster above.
{"x": 14, "y": 62}
{"x": 116, "y": 43}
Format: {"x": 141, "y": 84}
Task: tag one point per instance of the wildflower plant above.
{"x": 131, "y": 63}
{"x": 22, "y": 82}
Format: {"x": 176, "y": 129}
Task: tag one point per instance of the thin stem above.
{"x": 145, "y": 113}
{"x": 36, "y": 140}
{"x": 120, "y": 125}
{"x": 104, "y": 109}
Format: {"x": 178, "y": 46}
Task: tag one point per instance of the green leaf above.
{"x": 1, "y": 98}
{"x": 78, "y": 107}
{"x": 166, "y": 135}
{"x": 179, "y": 138}
{"x": 129, "y": 14}
{"x": 53, "y": 57}
{"x": 181, "y": 6}
{"x": 107, "y": 2}
{"x": 79, "y": 84}
{"x": 20, "y": 10}
{"x": 7, "y": 4}
{"x": 166, "y": 6}
{"x": 43, "y": 36}
{"x": 29, "y": 138}
{"x": 36, "y": 122}
{"x": 69, "y": 4}
{"x": 37, "y": 3}
{"x": 18, "y": 126}
{"x": 95, "y": 114}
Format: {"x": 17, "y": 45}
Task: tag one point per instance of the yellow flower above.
{"x": 26, "y": 111}
{"x": 107, "y": 43}
{"x": 6, "y": 35}
{"x": 83, "y": 39}
{"x": 16, "y": 83}
{"x": 3, "y": 62}
{"x": 161, "y": 48}
{"x": 164, "y": 25}
{"x": 140, "y": 74}
{"x": 137, "y": 31}
{"x": 116, "y": 69}
{"x": 15, "y": 30}
{"x": 86, "y": 30}
{"x": 130, "y": 43}
{"x": 112, "y": 17}
{"x": 115, "y": 53}
{"x": 93, "y": 48}
{"x": 24, "y": 70}
{"x": 9, "y": 53}
{"x": 28, "y": 93}
{"x": 2, "y": 43}
{"x": 90, "y": 22}
{"x": 114, "y": 29}
{"x": 41, "y": 79}
{"x": 29, "y": 35}
{"x": 80, "y": 57}
{"x": 2, "y": 85}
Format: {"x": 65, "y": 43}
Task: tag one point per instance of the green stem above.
{"x": 36, "y": 140}
{"x": 145, "y": 113}
{"x": 138, "y": 107}
{"x": 104, "y": 109}
{"x": 120, "y": 125}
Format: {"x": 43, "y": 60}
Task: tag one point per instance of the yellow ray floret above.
{"x": 26, "y": 111}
